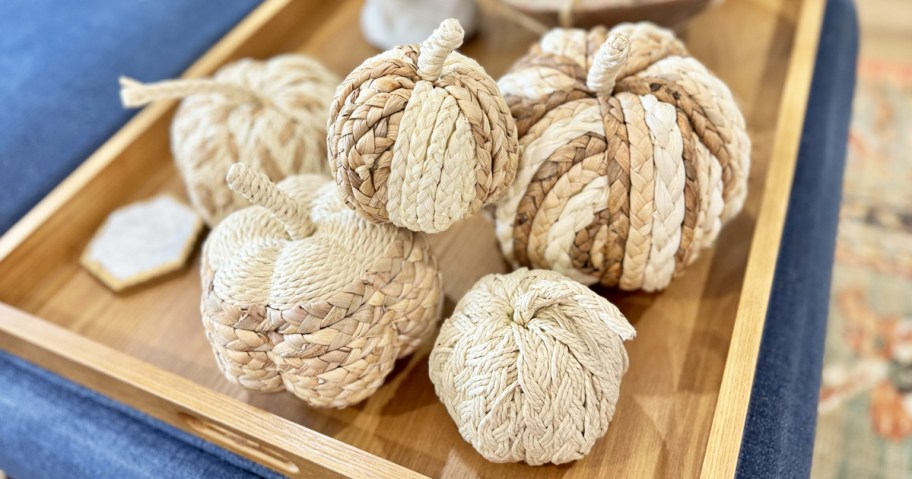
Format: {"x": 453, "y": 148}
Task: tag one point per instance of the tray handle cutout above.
{"x": 246, "y": 447}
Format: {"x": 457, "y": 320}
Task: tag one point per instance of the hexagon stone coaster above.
{"x": 142, "y": 241}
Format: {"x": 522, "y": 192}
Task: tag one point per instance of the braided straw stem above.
{"x": 612, "y": 55}
{"x": 134, "y": 93}
{"x": 434, "y": 51}
{"x": 260, "y": 190}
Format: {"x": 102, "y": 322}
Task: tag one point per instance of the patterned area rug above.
{"x": 864, "y": 429}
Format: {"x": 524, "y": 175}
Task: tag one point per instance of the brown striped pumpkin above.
{"x": 632, "y": 157}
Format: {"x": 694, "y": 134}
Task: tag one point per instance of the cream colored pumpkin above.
{"x": 301, "y": 294}
{"x": 267, "y": 114}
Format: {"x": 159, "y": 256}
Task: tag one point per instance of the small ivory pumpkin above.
{"x": 301, "y": 294}
{"x": 633, "y": 156}
{"x": 267, "y": 114}
{"x": 420, "y": 136}
{"x": 530, "y": 365}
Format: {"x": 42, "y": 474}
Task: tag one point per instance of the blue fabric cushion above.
{"x": 781, "y": 422}
{"x": 53, "y": 429}
{"x": 59, "y": 92}
{"x": 60, "y": 62}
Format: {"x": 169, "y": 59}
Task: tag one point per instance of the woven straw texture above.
{"x": 529, "y": 366}
{"x": 301, "y": 294}
{"x": 270, "y": 115}
{"x": 420, "y": 136}
{"x": 633, "y": 156}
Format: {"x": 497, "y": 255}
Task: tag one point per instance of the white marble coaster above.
{"x": 142, "y": 241}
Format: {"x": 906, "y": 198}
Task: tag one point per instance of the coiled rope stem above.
{"x": 260, "y": 190}
{"x": 609, "y": 60}
{"x": 435, "y": 50}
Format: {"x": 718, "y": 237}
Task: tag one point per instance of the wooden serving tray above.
{"x": 683, "y": 401}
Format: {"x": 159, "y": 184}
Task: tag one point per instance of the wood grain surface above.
{"x": 150, "y": 351}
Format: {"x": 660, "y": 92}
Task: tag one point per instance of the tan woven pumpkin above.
{"x": 633, "y": 156}
{"x": 267, "y": 114}
{"x": 419, "y": 136}
{"x": 301, "y": 294}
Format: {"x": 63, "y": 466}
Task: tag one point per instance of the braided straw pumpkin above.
{"x": 529, "y": 366}
{"x": 267, "y": 114}
{"x": 633, "y": 156}
{"x": 301, "y": 294}
{"x": 420, "y": 136}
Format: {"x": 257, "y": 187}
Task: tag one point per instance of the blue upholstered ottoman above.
{"x": 59, "y": 63}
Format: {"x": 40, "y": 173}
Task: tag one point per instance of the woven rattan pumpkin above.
{"x": 419, "y": 136}
{"x": 529, "y": 366}
{"x": 267, "y": 114}
{"x": 299, "y": 293}
{"x": 633, "y": 156}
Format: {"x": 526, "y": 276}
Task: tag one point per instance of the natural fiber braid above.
{"x": 501, "y": 140}
{"x": 381, "y": 117}
{"x": 556, "y": 202}
{"x": 669, "y": 92}
{"x": 548, "y": 175}
{"x": 701, "y": 167}
{"x": 529, "y": 111}
{"x": 328, "y": 313}
{"x": 669, "y": 192}
{"x": 691, "y": 193}
{"x": 482, "y": 131}
{"x": 614, "y": 211}
{"x": 718, "y": 106}
{"x": 428, "y": 195}
{"x": 459, "y": 171}
{"x": 409, "y": 157}
{"x": 381, "y": 142}
{"x": 577, "y": 214}
{"x": 716, "y": 203}
{"x": 586, "y": 255}
{"x": 538, "y": 60}
{"x": 642, "y": 192}
{"x": 618, "y": 220}
{"x": 550, "y": 387}
{"x": 562, "y": 124}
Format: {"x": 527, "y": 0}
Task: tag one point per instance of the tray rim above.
{"x": 727, "y": 428}
{"x": 172, "y": 398}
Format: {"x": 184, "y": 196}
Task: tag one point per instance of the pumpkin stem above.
{"x": 434, "y": 51}
{"x": 260, "y": 190}
{"x": 606, "y": 65}
{"x": 134, "y": 93}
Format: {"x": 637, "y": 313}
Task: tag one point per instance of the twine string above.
{"x": 134, "y": 93}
